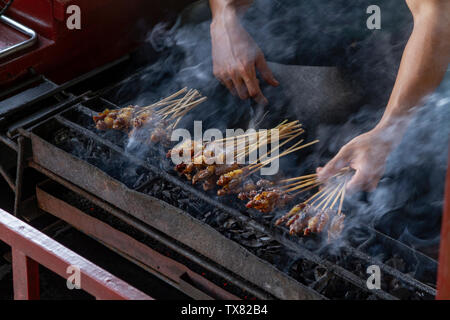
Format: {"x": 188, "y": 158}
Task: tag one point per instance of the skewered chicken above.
{"x": 267, "y": 201}
{"x": 204, "y": 174}
{"x": 115, "y": 119}
{"x": 153, "y": 123}
{"x": 336, "y": 227}
{"x": 293, "y": 212}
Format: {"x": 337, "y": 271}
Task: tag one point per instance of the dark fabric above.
{"x": 321, "y": 32}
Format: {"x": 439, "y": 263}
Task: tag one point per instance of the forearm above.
{"x": 424, "y": 62}
{"x": 220, "y": 8}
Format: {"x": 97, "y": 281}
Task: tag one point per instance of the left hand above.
{"x": 367, "y": 155}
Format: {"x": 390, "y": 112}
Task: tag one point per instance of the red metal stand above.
{"x": 443, "y": 284}
{"x": 30, "y": 248}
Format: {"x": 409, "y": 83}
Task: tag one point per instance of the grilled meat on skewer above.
{"x": 294, "y": 211}
{"x": 336, "y": 227}
{"x": 324, "y": 218}
{"x": 210, "y": 183}
{"x": 222, "y": 169}
{"x": 301, "y": 221}
{"x": 267, "y": 201}
{"x": 115, "y": 119}
{"x": 188, "y": 145}
{"x": 247, "y": 195}
{"x": 264, "y": 183}
{"x": 227, "y": 191}
{"x": 226, "y": 178}
{"x": 204, "y": 174}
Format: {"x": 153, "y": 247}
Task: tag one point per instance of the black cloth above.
{"x": 322, "y": 32}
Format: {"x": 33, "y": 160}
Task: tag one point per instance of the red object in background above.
{"x": 443, "y": 284}
{"x": 30, "y": 248}
{"x": 109, "y": 30}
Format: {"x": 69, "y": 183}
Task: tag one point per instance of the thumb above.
{"x": 333, "y": 166}
{"x": 357, "y": 182}
{"x": 265, "y": 71}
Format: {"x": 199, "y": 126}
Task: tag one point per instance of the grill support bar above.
{"x": 151, "y": 233}
{"x": 158, "y": 264}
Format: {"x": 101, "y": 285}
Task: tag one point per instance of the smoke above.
{"x": 408, "y": 202}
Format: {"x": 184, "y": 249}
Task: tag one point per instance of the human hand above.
{"x": 236, "y": 57}
{"x": 367, "y": 155}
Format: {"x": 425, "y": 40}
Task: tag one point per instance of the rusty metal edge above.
{"x": 154, "y": 234}
{"x": 54, "y": 256}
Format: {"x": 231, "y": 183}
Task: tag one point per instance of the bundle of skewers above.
{"x": 322, "y": 211}
{"x": 207, "y": 160}
{"x": 153, "y": 123}
{"x": 276, "y": 195}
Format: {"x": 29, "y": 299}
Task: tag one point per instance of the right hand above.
{"x": 236, "y": 57}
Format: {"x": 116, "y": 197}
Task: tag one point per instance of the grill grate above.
{"x": 309, "y": 266}
{"x": 77, "y": 119}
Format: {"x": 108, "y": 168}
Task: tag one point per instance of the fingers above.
{"x": 243, "y": 81}
{"x": 229, "y": 84}
{"x": 364, "y": 180}
{"x": 334, "y": 165}
{"x": 265, "y": 71}
{"x": 252, "y": 84}
{"x": 239, "y": 85}
{"x": 373, "y": 184}
{"x": 358, "y": 181}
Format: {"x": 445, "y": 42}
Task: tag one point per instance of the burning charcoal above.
{"x": 397, "y": 263}
{"x": 319, "y": 272}
{"x": 167, "y": 194}
{"x": 265, "y": 239}
{"x": 252, "y": 243}
{"x": 322, "y": 281}
{"x": 229, "y": 224}
{"x": 247, "y": 235}
{"x": 274, "y": 249}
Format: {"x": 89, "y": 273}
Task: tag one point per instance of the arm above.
{"x": 423, "y": 66}
{"x": 235, "y": 55}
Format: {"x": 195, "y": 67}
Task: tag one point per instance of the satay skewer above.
{"x": 330, "y": 197}
{"x": 292, "y": 213}
{"x": 258, "y": 166}
{"x": 338, "y": 196}
{"x": 299, "y": 178}
{"x": 282, "y": 127}
{"x": 342, "y": 199}
{"x": 302, "y": 185}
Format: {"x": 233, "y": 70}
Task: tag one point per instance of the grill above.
{"x": 91, "y": 179}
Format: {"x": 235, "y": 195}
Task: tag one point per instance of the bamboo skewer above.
{"x": 342, "y": 199}
{"x": 338, "y": 196}
{"x": 294, "y": 148}
{"x": 299, "y": 183}
{"x": 299, "y": 178}
{"x": 330, "y": 197}
{"x": 303, "y": 185}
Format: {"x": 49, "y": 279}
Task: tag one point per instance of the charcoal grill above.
{"x": 221, "y": 250}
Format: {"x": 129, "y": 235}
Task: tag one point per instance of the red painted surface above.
{"x": 9, "y": 36}
{"x": 25, "y": 277}
{"x": 444, "y": 252}
{"x": 30, "y": 247}
{"x": 109, "y": 30}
